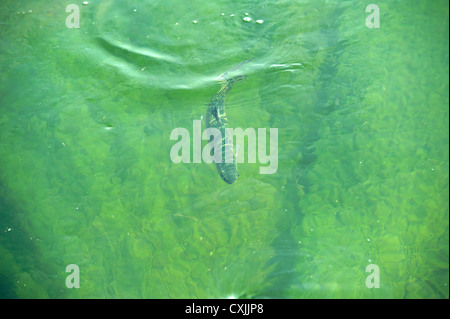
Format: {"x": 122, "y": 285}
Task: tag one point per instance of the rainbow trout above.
{"x": 216, "y": 118}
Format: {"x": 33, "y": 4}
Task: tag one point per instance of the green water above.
{"x": 363, "y": 141}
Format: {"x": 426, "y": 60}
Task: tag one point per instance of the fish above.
{"x": 217, "y": 118}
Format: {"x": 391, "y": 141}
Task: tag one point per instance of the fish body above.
{"x": 216, "y": 117}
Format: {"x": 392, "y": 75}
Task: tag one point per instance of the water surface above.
{"x": 86, "y": 177}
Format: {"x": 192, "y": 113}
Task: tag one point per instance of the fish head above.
{"x": 228, "y": 172}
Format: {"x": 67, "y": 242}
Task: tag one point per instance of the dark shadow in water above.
{"x": 19, "y": 243}
{"x": 284, "y": 276}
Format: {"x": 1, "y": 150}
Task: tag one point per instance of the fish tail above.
{"x": 235, "y": 79}
{"x": 227, "y": 84}
{"x": 223, "y": 76}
